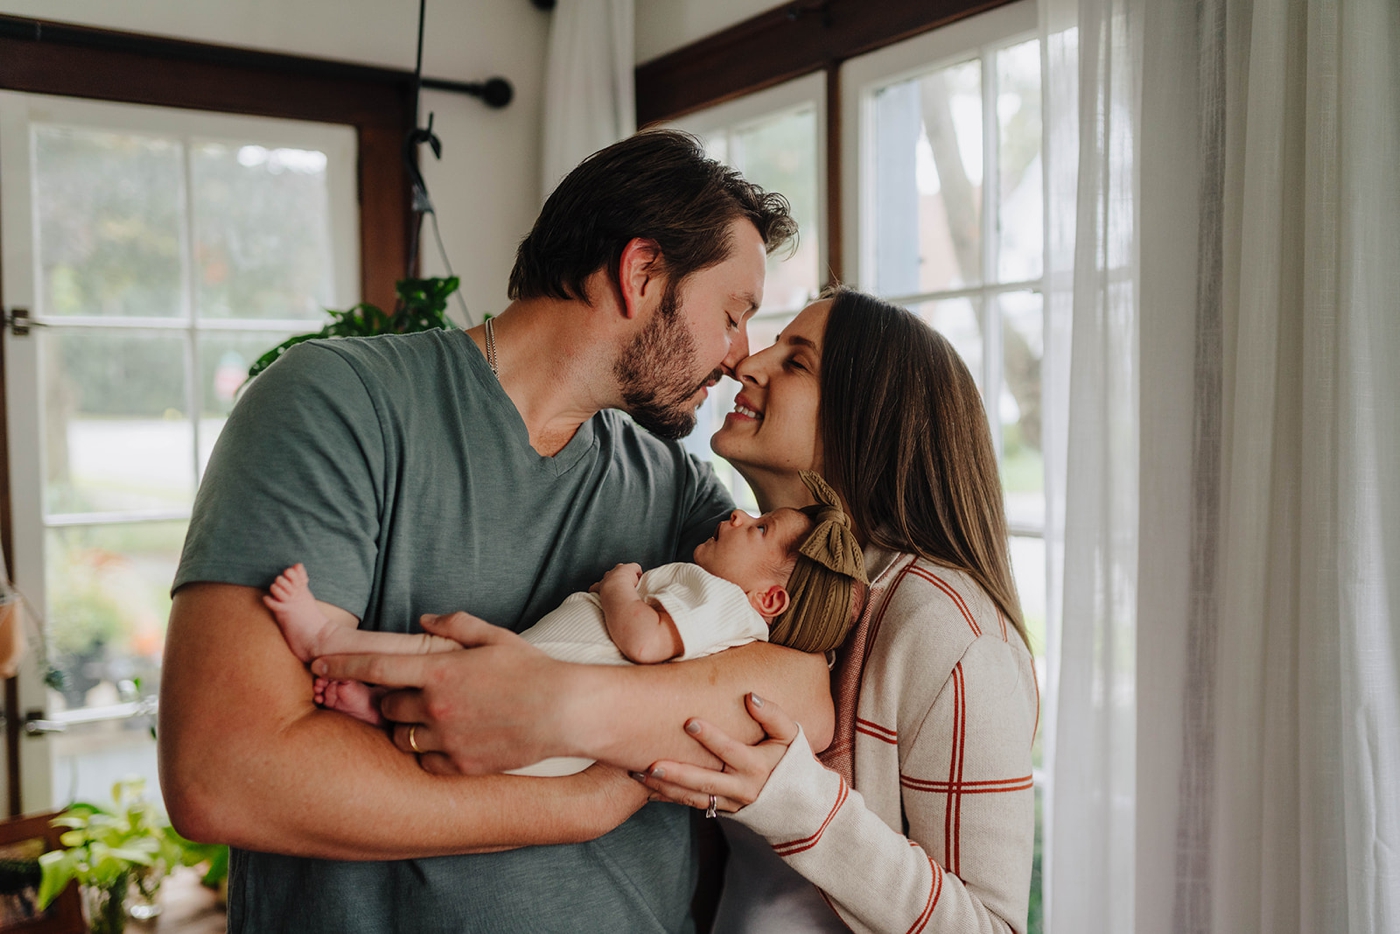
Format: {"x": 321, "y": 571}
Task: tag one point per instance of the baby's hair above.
{"x": 822, "y": 627}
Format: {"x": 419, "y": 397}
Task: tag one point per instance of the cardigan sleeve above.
{"x": 963, "y": 865}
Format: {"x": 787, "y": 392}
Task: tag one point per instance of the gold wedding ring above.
{"x": 412, "y": 741}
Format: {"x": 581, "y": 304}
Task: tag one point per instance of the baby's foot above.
{"x": 355, "y": 698}
{"x": 292, "y": 603}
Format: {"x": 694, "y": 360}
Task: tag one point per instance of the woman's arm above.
{"x": 964, "y": 865}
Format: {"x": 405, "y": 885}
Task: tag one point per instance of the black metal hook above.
{"x": 800, "y": 9}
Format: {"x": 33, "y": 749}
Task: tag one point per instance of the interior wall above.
{"x": 666, "y": 25}
{"x": 486, "y": 187}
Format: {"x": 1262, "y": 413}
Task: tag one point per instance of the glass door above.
{"x": 158, "y": 252}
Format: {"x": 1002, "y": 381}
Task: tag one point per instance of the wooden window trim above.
{"x": 787, "y": 42}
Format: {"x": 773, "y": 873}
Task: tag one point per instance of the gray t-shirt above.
{"x": 398, "y": 471}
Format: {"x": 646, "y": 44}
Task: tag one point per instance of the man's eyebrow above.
{"x": 749, "y": 298}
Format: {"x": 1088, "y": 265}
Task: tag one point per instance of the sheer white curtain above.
{"x": 1275, "y": 793}
{"x": 1092, "y": 76}
{"x": 589, "y": 101}
{"x": 1228, "y": 524}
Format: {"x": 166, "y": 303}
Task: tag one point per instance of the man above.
{"x": 402, "y": 470}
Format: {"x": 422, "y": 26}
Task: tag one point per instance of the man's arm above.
{"x": 505, "y": 703}
{"x": 247, "y": 759}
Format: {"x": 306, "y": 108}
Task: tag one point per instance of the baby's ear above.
{"x": 770, "y": 603}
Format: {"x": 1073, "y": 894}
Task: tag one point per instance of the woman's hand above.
{"x": 746, "y": 768}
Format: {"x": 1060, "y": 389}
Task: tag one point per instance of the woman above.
{"x": 921, "y": 814}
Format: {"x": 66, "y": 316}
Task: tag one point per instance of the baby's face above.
{"x": 753, "y": 552}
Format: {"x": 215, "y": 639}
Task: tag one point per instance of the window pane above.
{"x": 1022, "y": 464}
{"x": 1028, "y": 567}
{"x": 262, "y": 231}
{"x": 109, "y": 598}
{"x": 108, "y": 208}
{"x": 1018, "y": 118}
{"x": 780, "y": 154}
{"x": 117, "y": 430}
{"x": 927, "y": 182}
{"x": 224, "y": 358}
{"x": 957, "y": 319}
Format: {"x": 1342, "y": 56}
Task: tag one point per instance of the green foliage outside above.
{"x": 422, "y": 306}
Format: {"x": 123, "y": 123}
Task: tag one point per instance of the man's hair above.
{"x": 657, "y": 185}
{"x": 905, "y": 440}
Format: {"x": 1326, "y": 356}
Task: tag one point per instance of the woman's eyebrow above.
{"x": 800, "y": 341}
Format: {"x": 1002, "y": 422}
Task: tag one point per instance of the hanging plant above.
{"x": 422, "y": 306}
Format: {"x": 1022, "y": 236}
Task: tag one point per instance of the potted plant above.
{"x": 422, "y": 306}
{"x": 118, "y": 853}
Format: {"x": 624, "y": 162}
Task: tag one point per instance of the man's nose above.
{"x": 738, "y": 353}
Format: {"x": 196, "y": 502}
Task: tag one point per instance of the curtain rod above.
{"x": 494, "y": 92}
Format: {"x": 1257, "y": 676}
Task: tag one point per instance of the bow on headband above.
{"x": 828, "y": 563}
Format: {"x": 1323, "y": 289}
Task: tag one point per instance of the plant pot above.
{"x": 105, "y": 908}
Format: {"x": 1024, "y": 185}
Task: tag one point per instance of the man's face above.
{"x": 697, "y": 334}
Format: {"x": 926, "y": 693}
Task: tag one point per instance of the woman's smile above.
{"x": 744, "y": 409}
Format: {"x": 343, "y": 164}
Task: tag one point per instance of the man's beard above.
{"x": 655, "y": 373}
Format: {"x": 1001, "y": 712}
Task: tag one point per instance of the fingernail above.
{"x": 757, "y": 701}
{"x": 319, "y": 667}
{"x": 638, "y": 776}
{"x": 658, "y": 772}
{"x": 692, "y": 726}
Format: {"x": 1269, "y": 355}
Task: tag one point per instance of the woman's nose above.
{"x": 751, "y": 369}
{"x": 738, "y": 516}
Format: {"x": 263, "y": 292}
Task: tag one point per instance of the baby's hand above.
{"x": 622, "y": 575}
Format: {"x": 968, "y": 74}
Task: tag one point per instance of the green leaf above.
{"x": 57, "y": 869}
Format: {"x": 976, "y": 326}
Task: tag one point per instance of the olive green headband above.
{"x": 828, "y": 564}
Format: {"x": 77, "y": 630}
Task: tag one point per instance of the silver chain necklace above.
{"x": 491, "y": 348}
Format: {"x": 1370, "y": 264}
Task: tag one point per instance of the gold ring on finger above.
{"x": 412, "y": 740}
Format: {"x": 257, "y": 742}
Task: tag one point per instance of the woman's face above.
{"x": 773, "y": 428}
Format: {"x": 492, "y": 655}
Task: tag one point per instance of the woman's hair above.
{"x": 658, "y": 185}
{"x": 905, "y": 440}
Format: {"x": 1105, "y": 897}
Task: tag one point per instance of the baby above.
{"x": 792, "y": 570}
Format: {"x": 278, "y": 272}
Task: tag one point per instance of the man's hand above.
{"x": 500, "y": 703}
{"x": 466, "y": 708}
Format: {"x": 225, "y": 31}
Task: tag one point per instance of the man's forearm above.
{"x": 633, "y": 716}
{"x": 246, "y": 759}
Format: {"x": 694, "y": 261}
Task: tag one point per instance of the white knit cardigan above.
{"x": 938, "y": 831}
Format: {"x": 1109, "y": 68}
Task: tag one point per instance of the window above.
{"x": 940, "y": 209}
{"x": 948, "y": 221}
{"x": 773, "y": 137}
{"x": 163, "y": 252}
